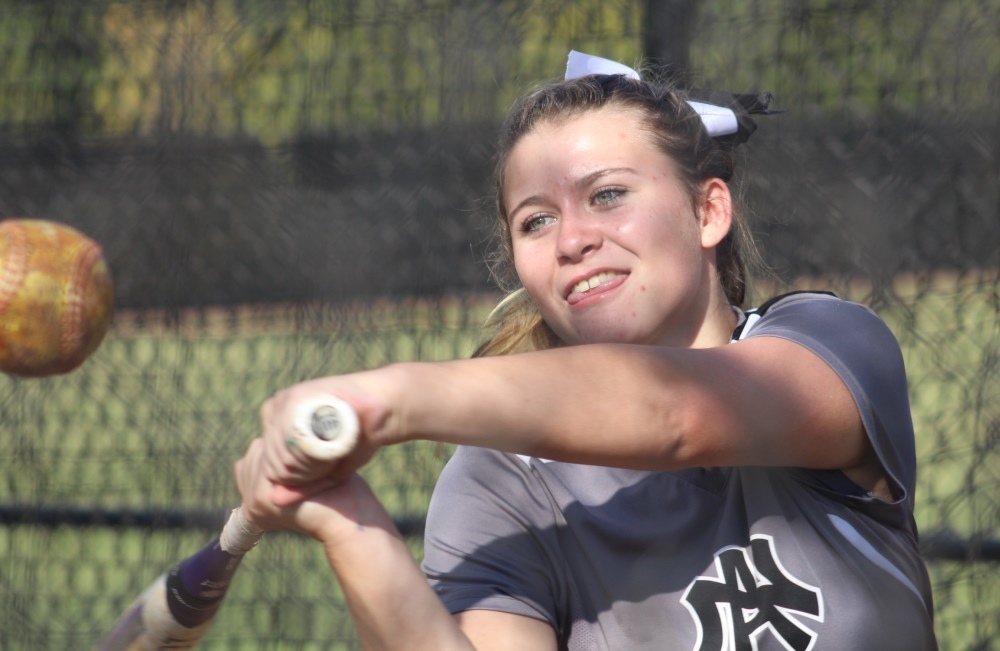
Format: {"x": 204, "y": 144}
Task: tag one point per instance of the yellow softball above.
{"x": 56, "y": 297}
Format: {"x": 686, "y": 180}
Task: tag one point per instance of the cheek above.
{"x": 679, "y": 231}
{"x": 527, "y": 267}
{"x": 535, "y": 275}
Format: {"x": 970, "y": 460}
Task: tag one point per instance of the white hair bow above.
{"x": 718, "y": 120}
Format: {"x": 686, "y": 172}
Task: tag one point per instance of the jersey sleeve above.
{"x": 859, "y": 346}
{"x": 489, "y": 541}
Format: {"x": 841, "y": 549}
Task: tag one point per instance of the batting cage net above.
{"x": 287, "y": 190}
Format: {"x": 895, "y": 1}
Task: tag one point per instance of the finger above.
{"x": 254, "y": 487}
{"x": 284, "y": 495}
{"x": 243, "y": 467}
{"x": 281, "y": 470}
{"x": 284, "y": 463}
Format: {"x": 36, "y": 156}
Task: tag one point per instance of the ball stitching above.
{"x": 74, "y": 301}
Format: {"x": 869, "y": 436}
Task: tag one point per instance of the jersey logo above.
{"x": 752, "y": 597}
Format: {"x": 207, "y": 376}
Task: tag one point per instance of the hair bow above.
{"x": 723, "y": 114}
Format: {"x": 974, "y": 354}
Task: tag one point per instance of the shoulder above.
{"x": 477, "y": 465}
{"x": 839, "y": 331}
{"x": 809, "y": 310}
{"x": 860, "y": 347}
{"x": 488, "y": 544}
{"x": 484, "y": 484}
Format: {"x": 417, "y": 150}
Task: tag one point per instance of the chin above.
{"x": 610, "y": 335}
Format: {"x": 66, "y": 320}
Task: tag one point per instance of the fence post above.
{"x": 667, "y": 32}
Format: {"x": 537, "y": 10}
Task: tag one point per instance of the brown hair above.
{"x": 679, "y": 133}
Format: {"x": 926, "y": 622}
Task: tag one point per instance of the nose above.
{"x": 578, "y": 236}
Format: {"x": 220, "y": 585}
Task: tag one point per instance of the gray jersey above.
{"x": 709, "y": 558}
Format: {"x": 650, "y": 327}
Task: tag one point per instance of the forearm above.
{"x": 612, "y": 405}
{"x": 392, "y": 605}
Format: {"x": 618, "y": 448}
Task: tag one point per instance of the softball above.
{"x": 56, "y": 297}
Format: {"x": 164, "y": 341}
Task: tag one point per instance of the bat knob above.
{"x": 326, "y": 422}
{"x": 324, "y": 427}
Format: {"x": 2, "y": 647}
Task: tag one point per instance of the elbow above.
{"x": 690, "y": 433}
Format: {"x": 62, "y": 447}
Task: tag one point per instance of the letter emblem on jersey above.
{"x": 752, "y": 597}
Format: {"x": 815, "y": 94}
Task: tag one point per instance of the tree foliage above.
{"x": 270, "y": 71}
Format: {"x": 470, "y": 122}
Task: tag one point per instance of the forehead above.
{"x": 582, "y": 140}
{"x": 607, "y": 120}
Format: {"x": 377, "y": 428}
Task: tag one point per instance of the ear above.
{"x": 715, "y": 215}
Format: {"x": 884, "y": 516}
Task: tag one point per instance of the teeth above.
{"x": 593, "y": 281}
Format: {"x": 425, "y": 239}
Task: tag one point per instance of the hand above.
{"x": 332, "y": 513}
{"x": 296, "y": 476}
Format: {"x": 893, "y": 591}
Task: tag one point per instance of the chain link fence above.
{"x": 285, "y": 190}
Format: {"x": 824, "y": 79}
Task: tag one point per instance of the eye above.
{"x": 536, "y": 222}
{"x": 607, "y": 196}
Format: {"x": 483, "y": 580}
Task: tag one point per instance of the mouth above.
{"x": 596, "y": 284}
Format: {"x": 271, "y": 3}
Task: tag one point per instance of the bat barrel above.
{"x": 176, "y": 610}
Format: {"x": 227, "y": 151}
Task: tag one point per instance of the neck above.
{"x": 718, "y": 327}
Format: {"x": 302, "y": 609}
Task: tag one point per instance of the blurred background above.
{"x": 291, "y": 189}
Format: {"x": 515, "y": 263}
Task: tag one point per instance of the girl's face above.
{"x": 606, "y": 240}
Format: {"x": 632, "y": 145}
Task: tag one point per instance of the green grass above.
{"x": 158, "y": 415}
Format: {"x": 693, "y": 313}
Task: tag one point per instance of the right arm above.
{"x": 390, "y": 601}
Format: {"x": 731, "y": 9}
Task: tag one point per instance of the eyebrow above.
{"x": 583, "y": 181}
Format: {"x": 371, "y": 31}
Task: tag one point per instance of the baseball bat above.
{"x": 177, "y": 609}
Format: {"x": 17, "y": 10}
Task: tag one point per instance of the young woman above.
{"x": 642, "y": 464}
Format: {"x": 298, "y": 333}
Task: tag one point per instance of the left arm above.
{"x": 762, "y": 401}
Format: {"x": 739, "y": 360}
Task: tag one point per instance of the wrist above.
{"x": 362, "y": 525}
{"x": 394, "y": 385}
